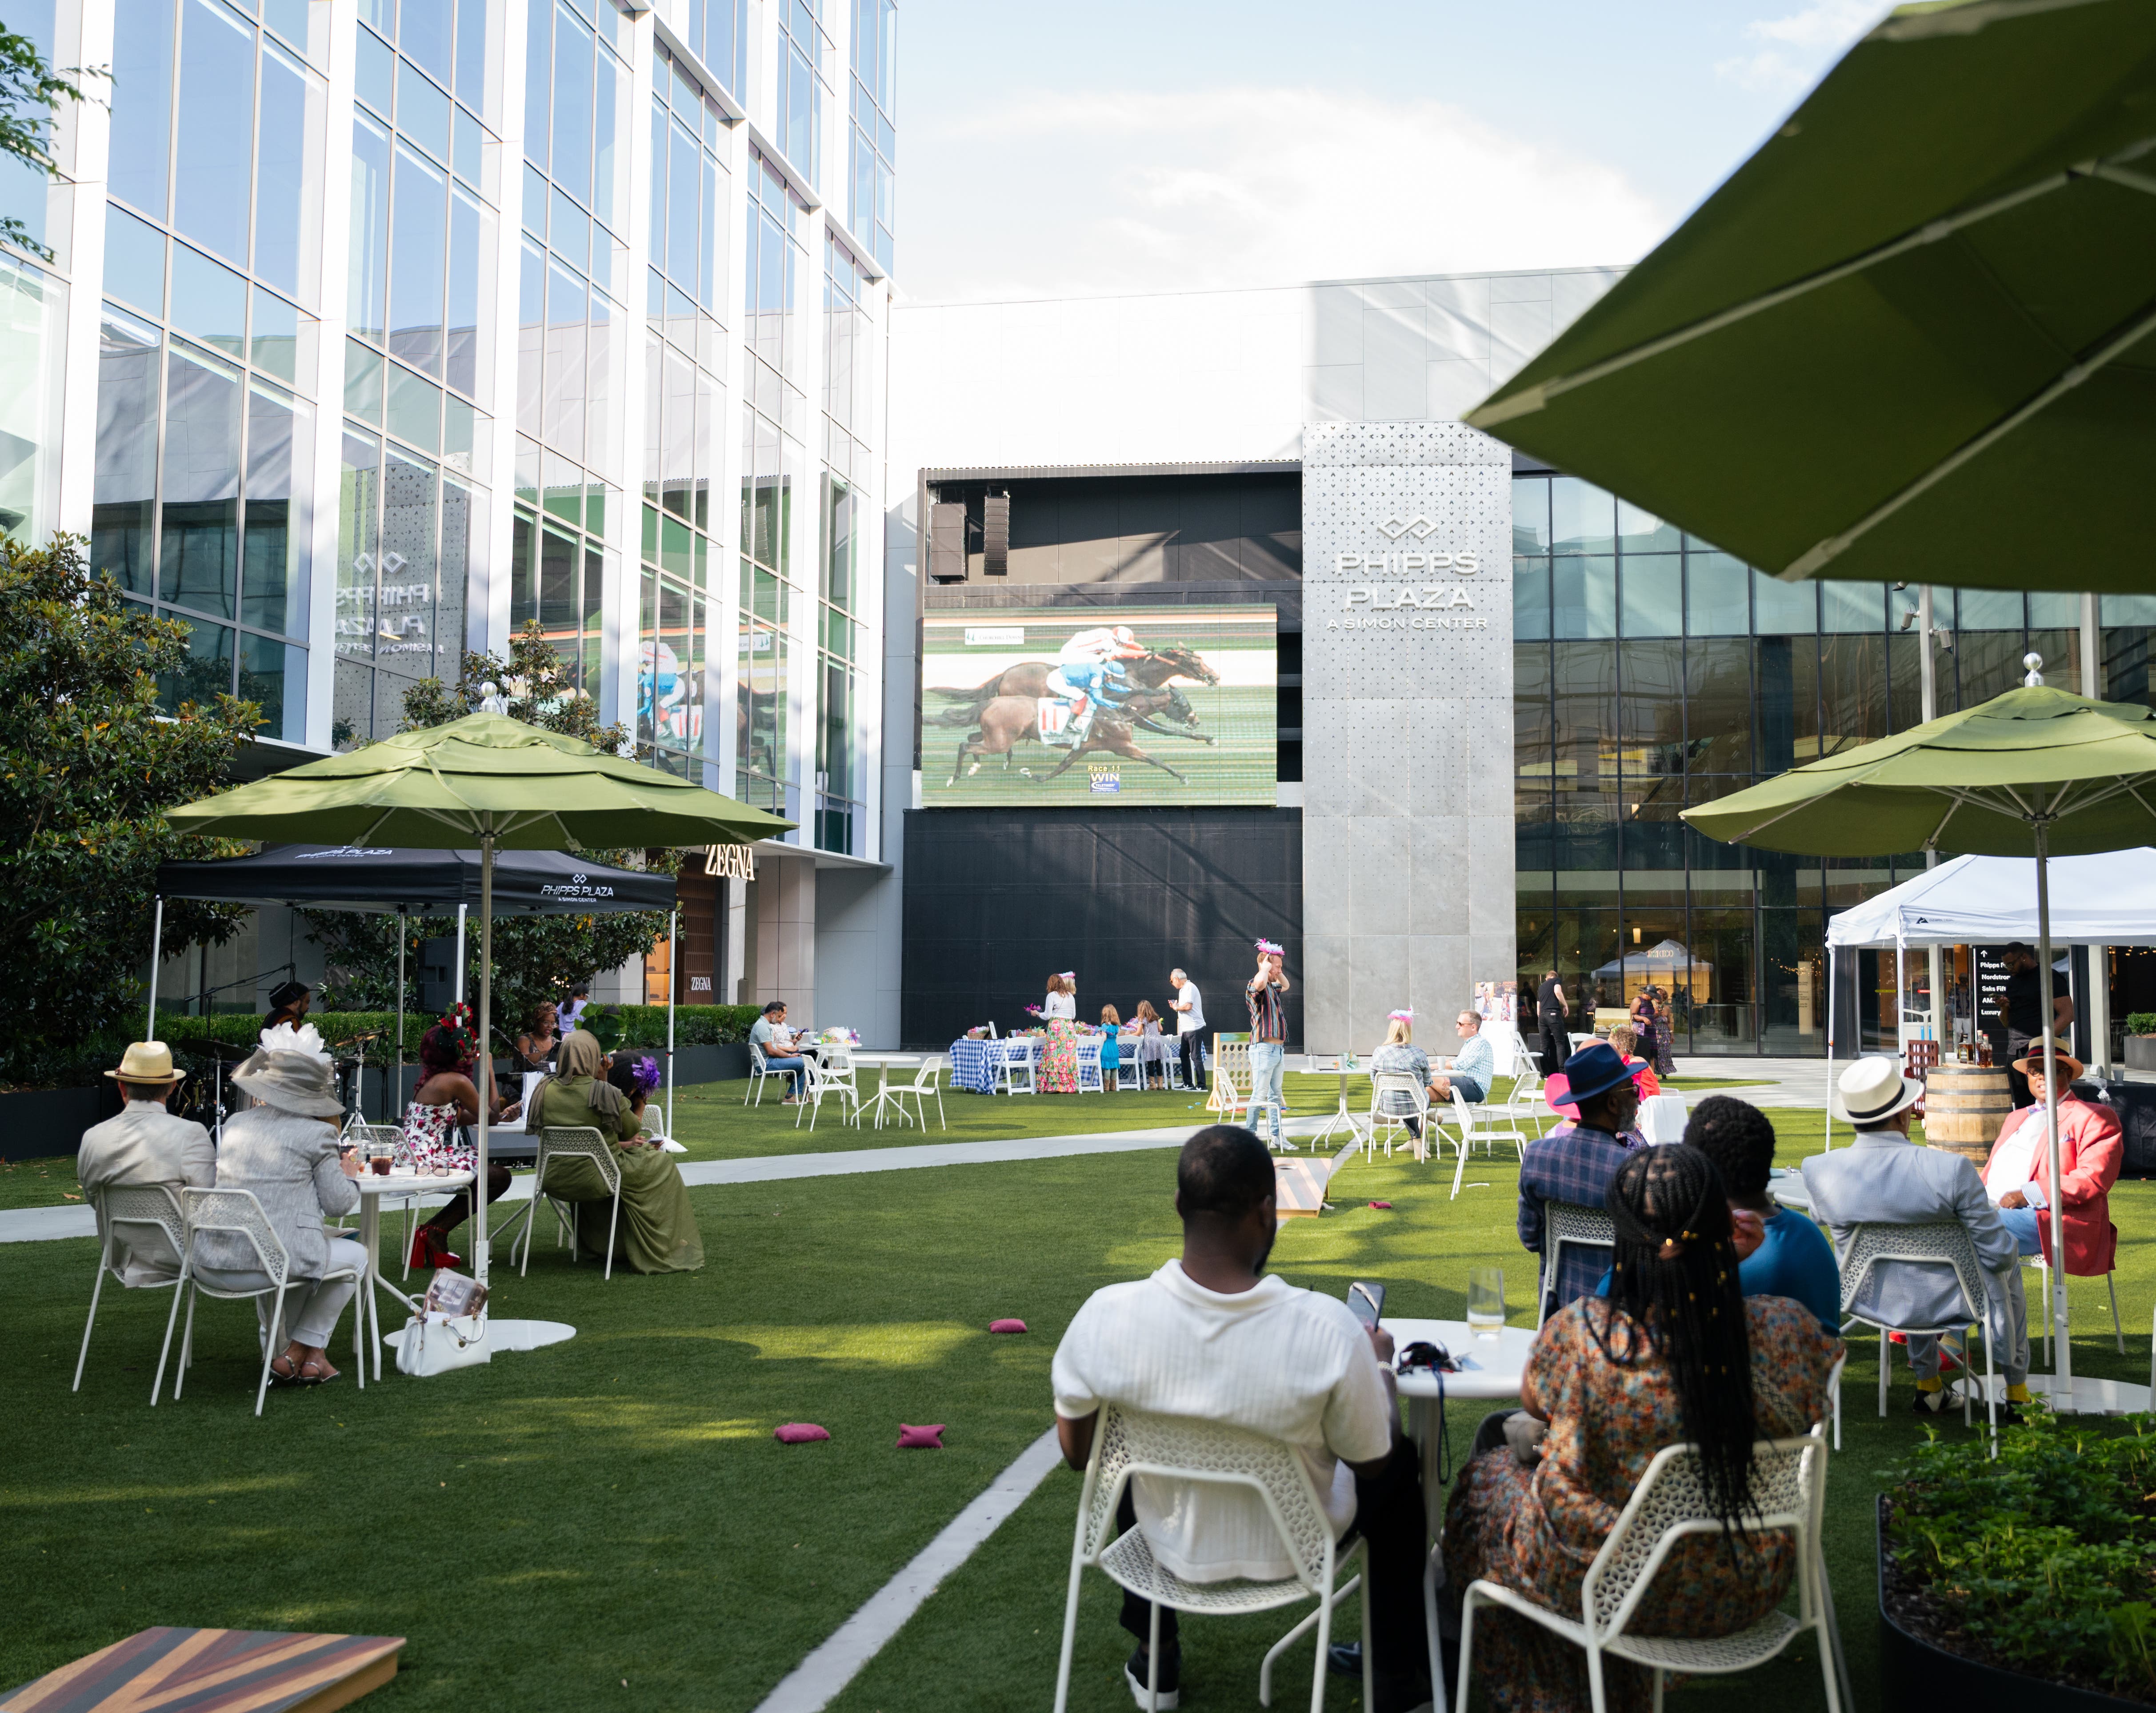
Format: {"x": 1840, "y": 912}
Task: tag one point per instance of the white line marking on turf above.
{"x": 816, "y": 1682}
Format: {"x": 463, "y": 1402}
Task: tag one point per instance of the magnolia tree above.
{"x": 89, "y": 763}
{"x": 535, "y": 957}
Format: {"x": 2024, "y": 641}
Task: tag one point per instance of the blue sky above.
{"x": 1187, "y": 143}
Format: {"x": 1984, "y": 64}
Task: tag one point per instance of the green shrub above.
{"x": 2141, "y": 1023}
{"x": 694, "y": 1025}
{"x": 2045, "y": 1558}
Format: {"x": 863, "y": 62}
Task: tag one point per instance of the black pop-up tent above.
{"x": 422, "y": 882}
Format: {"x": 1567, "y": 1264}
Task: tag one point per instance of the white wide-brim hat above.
{"x": 291, "y": 1071}
{"x": 1872, "y": 1090}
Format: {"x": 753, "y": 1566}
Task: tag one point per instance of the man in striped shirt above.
{"x": 1266, "y": 991}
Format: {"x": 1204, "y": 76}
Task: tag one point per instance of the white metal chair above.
{"x": 1015, "y": 1059}
{"x": 1396, "y": 1098}
{"x": 156, "y": 1233}
{"x": 1202, "y": 1454}
{"x": 2111, "y": 1279}
{"x": 1091, "y": 1079}
{"x": 927, "y": 1081}
{"x": 1129, "y": 1073}
{"x": 1463, "y": 1116}
{"x": 759, "y": 1068}
{"x": 1568, "y": 1224}
{"x": 238, "y": 1213}
{"x": 1789, "y": 1486}
{"x": 1662, "y": 1118}
{"x": 836, "y": 1078}
{"x": 570, "y": 1142}
{"x": 1834, "y": 1393}
{"x": 1946, "y": 1243}
{"x": 1523, "y": 1106}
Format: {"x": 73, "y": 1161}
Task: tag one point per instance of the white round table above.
{"x": 1490, "y": 1370}
{"x": 374, "y": 1188}
{"x": 886, "y": 1062}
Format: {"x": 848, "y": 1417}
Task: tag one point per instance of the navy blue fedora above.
{"x": 1594, "y": 1070}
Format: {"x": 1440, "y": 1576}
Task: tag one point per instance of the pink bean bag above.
{"x": 1386, "y": 1207}
{"x": 920, "y": 1439}
{"x": 799, "y": 1433}
{"x": 1006, "y": 1325}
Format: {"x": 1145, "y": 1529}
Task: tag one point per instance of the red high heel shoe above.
{"x": 430, "y": 1248}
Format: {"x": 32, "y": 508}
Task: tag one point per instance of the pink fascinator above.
{"x": 1401, "y": 1016}
{"x": 1270, "y": 949}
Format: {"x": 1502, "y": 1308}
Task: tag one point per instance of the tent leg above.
{"x": 486, "y": 1041}
{"x": 156, "y": 940}
{"x": 2062, "y": 1368}
{"x": 673, "y": 983}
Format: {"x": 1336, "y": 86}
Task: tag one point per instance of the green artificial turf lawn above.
{"x": 614, "y": 1508}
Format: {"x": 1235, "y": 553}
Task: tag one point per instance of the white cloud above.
{"x": 1817, "y": 35}
{"x": 1060, "y": 194}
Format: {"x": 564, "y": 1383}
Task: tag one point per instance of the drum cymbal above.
{"x": 354, "y": 1040}
{"x": 219, "y": 1049}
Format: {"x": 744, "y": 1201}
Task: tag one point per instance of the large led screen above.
{"x": 1179, "y": 708}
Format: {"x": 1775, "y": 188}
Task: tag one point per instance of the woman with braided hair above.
{"x": 1675, "y": 1355}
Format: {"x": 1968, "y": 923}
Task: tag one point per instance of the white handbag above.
{"x": 435, "y": 1344}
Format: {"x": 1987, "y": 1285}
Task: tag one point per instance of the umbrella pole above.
{"x": 673, "y": 962}
{"x": 1832, "y": 992}
{"x": 156, "y": 940}
{"x": 461, "y": 937}
{"x": 2062, "y": 1366}
{"x": 486, "y": 1044}
{"x": 397, "y": 1089}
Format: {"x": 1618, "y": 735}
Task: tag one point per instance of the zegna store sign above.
{"x": 1399, "y": 603}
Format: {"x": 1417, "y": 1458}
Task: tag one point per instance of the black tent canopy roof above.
{"x": 421, "y": 882}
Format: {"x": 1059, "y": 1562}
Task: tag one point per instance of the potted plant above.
{"x": 2141, "y": 1040}
{"x": 2028, "y": 1580}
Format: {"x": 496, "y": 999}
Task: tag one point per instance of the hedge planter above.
{"x": 1916, "y": 1673}
{"x": 707, "y": 1064}
{"x": 44, "y": 1123}
{"x": 2140, "y": 1052}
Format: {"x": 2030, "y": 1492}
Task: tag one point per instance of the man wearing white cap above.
{"x": 145, "y": 1147}
{"x": 1883, "y": 1179}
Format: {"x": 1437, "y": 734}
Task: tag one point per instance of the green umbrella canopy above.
{"x": 452, "y": 785}
{"x": 1908, "y": 339}
{"x": 1967, "y": 782}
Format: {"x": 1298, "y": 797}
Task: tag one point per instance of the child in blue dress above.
{"x": 1112, "y": 1047}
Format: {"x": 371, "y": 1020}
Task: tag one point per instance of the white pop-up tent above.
{"x": 2108, "y": 899}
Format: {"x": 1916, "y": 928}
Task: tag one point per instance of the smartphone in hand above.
{"x": 1366, "y": 1300}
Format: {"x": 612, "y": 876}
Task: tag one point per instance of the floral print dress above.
{"x": 432, "y": 1139}
{"x": 1537, "y": 1529}
{"x": 1059, "y": 1057}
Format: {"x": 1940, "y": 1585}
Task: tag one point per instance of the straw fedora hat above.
{"x": 1872, "y": 1090}
{"x": 2033, "y": 1065}
{"x": 147, "y": 1062}
{"x": 291, "y": 1071}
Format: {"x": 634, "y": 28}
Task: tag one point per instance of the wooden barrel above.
{"x": 1965, "y": 1105}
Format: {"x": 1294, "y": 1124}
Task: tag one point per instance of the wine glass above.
{"x": 1486, "y": 1301}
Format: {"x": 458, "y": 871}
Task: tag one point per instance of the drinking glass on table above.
{"x": 379, "y": 1155}
{"x": 1486, "y": 1301}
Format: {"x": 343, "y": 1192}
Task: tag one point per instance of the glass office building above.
{"x": 355, "y": 334}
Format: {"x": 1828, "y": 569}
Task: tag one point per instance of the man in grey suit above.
{"x": 1882, "y": 1179}
{"x": 145, "y": 1146}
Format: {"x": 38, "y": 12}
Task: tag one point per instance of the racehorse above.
{"x": 1030, "y": 678}
{"x": 1010, "y": 720}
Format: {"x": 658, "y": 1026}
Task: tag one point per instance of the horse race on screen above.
{"x": 1099, "y": 705}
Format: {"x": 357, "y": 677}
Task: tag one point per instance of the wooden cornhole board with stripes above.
{"x": 178, "y": 1670}
{"x": 1298, "y": 1185}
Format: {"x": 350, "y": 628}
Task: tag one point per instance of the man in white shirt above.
{"x": 145, "y": 1146}
{"x": 769, "y": 1035}
{"x": 1211, "y": 1337}
{"x": 1189, "y": 1009}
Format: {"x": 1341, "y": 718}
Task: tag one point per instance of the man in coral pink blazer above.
{"x": 2091, "y": 1147}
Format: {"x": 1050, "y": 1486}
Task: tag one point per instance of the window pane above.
{"x": 463, "y": 522}
{"x": 1530, "y": 599}
{"x": 207, "y": 673}
{"x": 1986, "y": 609}
{"x": 405, "y": 636}
{"x": 127, "y": 476}
{"x": 274, "y": 336}
{"x": 415, "y": 408}
{"x": 1718, "y": 598}
{"x": 423, "y": 34}
{"x": 208, "y": 301}
{"x": 467, "y": 223}
{"x": 359, "y": 504}
{"x": 1653, "y": 595}
{"x": 1783, "y": 609}
{"x": 142, "y": 95}
{"x": 681, "y": 206}
{"x": 1650, "y": 707}
{"x": 370, "y": 230}
{"x": 572, "y": 106}
{"x": 1583, "y": 517}
{"x": 563, "y": 417}
{"x": 1852, "y": 671}
{"x": 422, "y": 111}
{"x": 285, "y": 138}
{"x": 606, "y": 333}
{"x": 1643, "y": 532}
{"x": 1584, "y": 602}
{"x": 198, "y": 549}
{"x": 471, "y": 52}
{"x": 538, "y": 40}
{"x": 610, "y": 95}
{"x": 1852, "y": 607}
{"x": 1788, "y": 688}
{"x": 133, "y": 261}
{"x": 1718, "y": 694}
{"x": 216, "y": 130}
{"x": 274, "y": 674}
{"x": 420, "y": 269}
{"x": 274, "y": 579}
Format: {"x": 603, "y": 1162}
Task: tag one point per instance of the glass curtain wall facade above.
{"x": 203, "y": 506}
{"x": 1652, "y": 672}
{"x": 415, "y": 322}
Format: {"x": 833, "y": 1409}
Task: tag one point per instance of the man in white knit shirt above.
{"x": 1211, "y": 1337}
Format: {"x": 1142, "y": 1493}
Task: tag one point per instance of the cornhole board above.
{"x": 1298, "y": 1185}
{"x": 215, "y": 1671}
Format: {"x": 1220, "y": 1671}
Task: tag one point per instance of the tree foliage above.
{"x": 535, "y": 957}
{"x": 31, "y": 91}
{"x": 88, "y": 765}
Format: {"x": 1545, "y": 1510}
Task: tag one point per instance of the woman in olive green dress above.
{"x": 657, "y": 1231}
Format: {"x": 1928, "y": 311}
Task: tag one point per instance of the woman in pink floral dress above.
{"x": 446, "y": 1100}
{"x": 1674, "y": 1355}
{"x": 1059, "y": 1053}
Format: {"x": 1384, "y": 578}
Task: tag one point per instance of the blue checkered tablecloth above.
{"x": 977, "y": 1066}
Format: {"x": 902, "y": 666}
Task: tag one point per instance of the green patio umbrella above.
{"x": 1908, "y": 338}
{"x": 488, "y": 780}
{"x": 2034, "y": 772}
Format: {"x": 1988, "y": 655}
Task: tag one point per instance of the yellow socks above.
{"x": 1930, "y": 1385}
{"x": 2018, "y": 1394}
